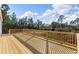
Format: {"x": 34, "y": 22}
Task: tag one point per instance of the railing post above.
{"x": 77, "y": 35}
{"x": 47, "y": 47}
{"x": 22, "y": 30}
{"x": 9, "y": 31}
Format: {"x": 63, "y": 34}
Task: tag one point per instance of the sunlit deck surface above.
{"x": 10, "y": 45}
{"x": 39, "y": 44}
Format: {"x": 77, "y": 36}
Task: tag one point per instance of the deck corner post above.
{"x": 77, "y": 35}
{"x": 9, "y": 31}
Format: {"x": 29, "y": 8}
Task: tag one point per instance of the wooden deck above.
{"x": 39, "y": 43}
{"x": 10, "y": 45}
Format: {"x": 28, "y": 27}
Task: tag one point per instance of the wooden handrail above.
{"x": 63, "y": 37}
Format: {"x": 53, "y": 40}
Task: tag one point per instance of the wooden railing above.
{"x": 11, "y": 31}
{"x": 41, "y": 45}
{"x": 65, "y": 37}
{"x": 62, "y": 37}
{"x": 68, "y": 38}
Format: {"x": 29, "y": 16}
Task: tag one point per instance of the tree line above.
{"x": 12, "y": 22}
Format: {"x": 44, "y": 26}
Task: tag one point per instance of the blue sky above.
{"x": 20, "y": 9}
{"x": 46, "y": 12}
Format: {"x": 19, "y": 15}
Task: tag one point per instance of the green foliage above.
{"x": 60, "y": 19}
{"x": 13, "y": 20}
{"x": 30, "y": 23}
{"x": 39, "y": 24}
{"x": 6, "y": 19}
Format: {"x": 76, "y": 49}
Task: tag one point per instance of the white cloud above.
{"x": 62, "y": 9}
{"x": 47, "y": 13}
{"x": 29, "y": 14}
{"x": 46, "y": 17}
{"x": 71, "y": 12}
{"x": 77, "y": 11}
{"x": 0, "y": 5}
{"x": 70, "y": 18}
{"x": 52, "y": 14}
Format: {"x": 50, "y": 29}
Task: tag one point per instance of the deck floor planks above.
{"x": 13, "y": 46}
{"x": 10, "y": 45}
{"x": 0, "y": 45}
{"x": 21, "y": 49}
{"x": 39, "y": 44}
{"x": 9, "y": 49}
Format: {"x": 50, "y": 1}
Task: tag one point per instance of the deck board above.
{"x": 39, "y": 43}
{"x": 10, "y": 45}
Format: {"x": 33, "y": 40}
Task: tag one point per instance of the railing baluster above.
{"x": 68, "y": 38}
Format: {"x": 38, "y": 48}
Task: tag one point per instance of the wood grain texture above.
{"x": 39, "y": 43}
{"x": 10, "y": 45}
